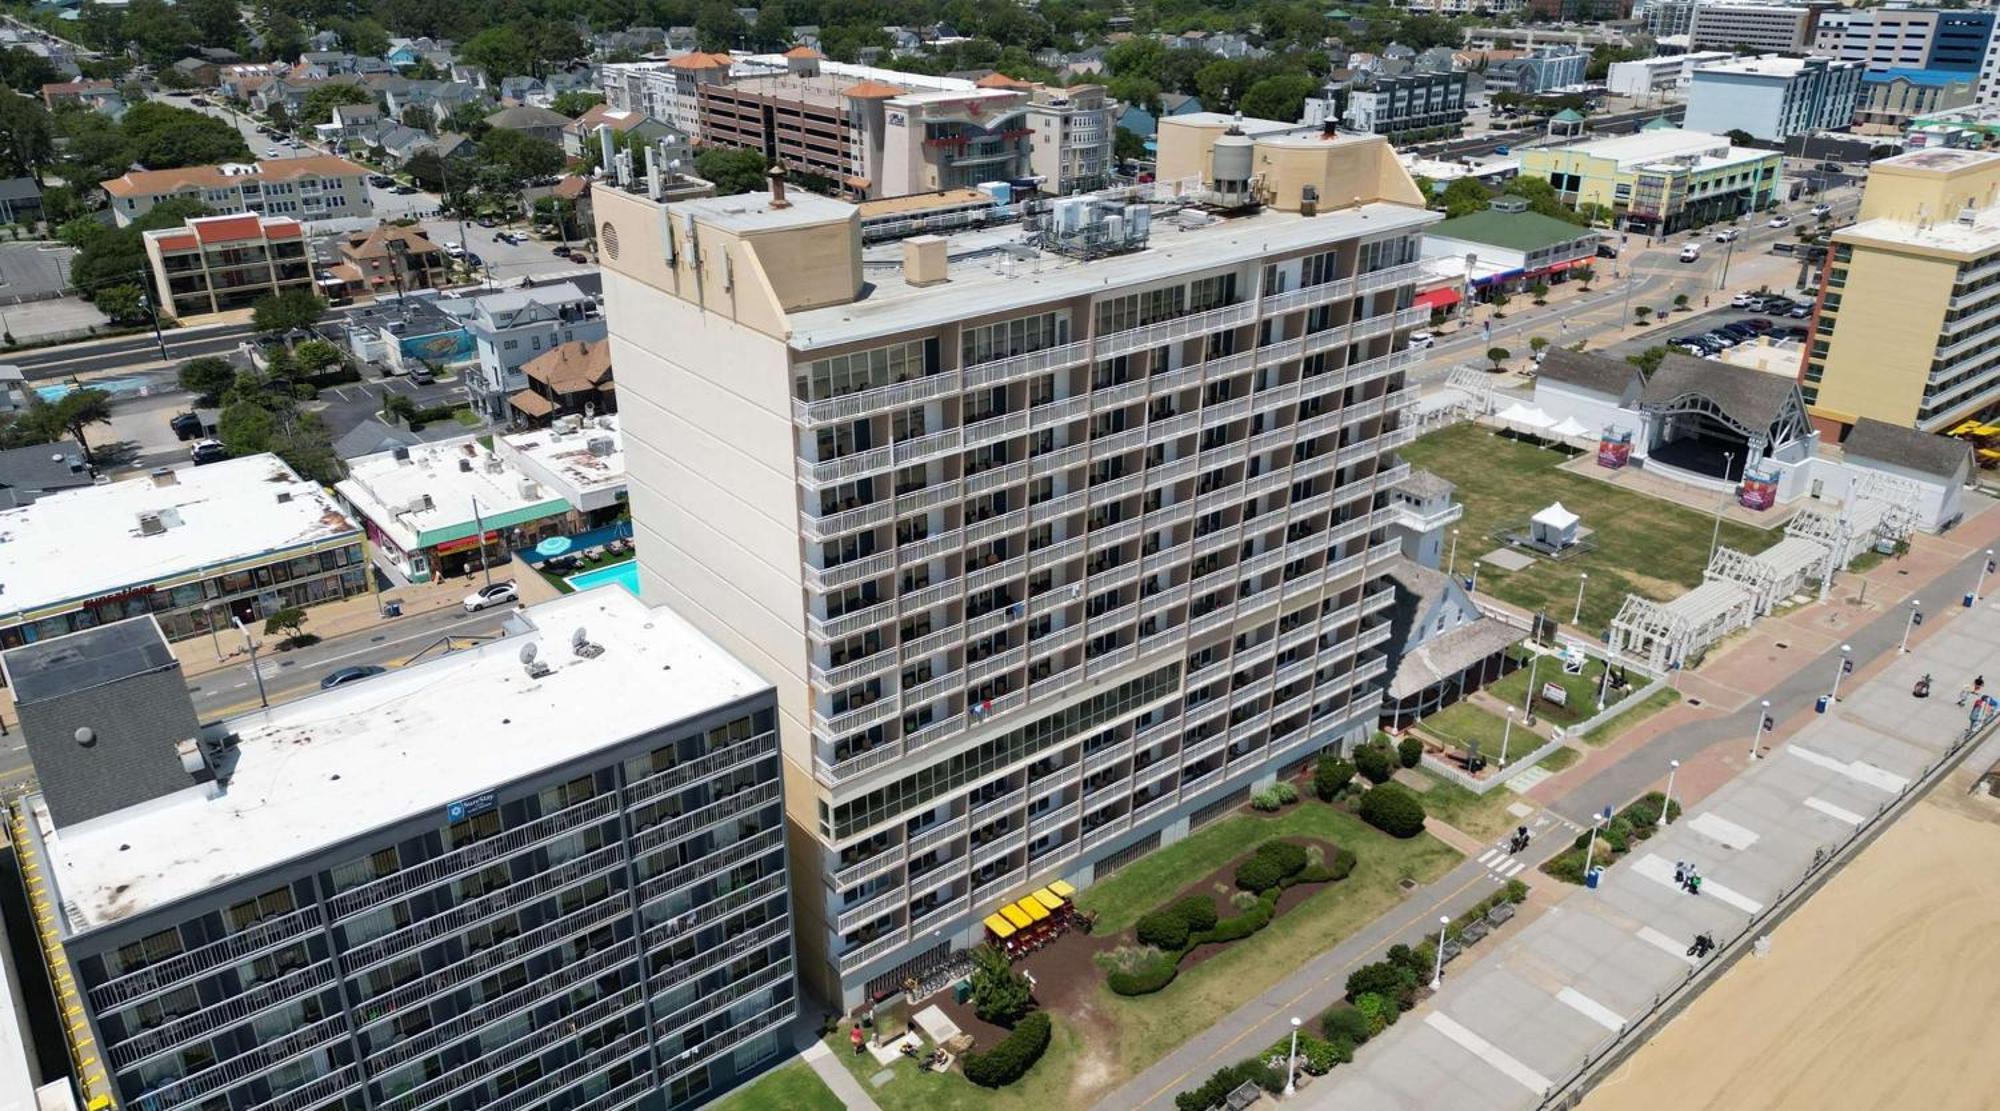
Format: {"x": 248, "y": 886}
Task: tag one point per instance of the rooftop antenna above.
{"x": 535, "y": 668}
{"x": 579, "y": 642}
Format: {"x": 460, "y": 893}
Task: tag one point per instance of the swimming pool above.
{"x": 625, "y": 574}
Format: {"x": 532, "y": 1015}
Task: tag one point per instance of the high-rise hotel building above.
{"x": 544, "y": 874}
{"x": 1051, "y": 539}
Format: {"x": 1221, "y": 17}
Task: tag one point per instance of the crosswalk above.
{"x": 1503, "y": 864}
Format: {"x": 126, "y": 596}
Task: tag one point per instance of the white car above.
{"x": 454, "y": 250}
{"x": 499, "y": 594}
{"x": 1741, "y": 300}
{"x": 1726, "y": 235}
{"x": 1421, "y": 340}
{"x": 1778, "y": 222}
{"x": 273, "y": 152}
{"x": 1822, "y": 210}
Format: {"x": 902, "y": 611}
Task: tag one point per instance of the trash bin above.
{"x": 962, "y": 991}
{"x": 1590, "y": 878}
{"x": 392, "y": 609}
{"x": 1820, "y": 703}
{"x": 1967, "y": 600}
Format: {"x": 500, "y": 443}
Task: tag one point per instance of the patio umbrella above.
{"x": 553, "y": 546}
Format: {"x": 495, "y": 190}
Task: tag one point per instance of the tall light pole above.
{"x": 1916, "y": 615}
{"x": 479, "y": 523}
{"x": 1846, "y": 663}
{"x": 1474, "y": 588}
{"x": 1728, "y": 253}
{"x": 254, "y": 669}
{"x": 1763, "y": 718}
{"x": 1506, "y": 733}
{"x": 1292, "y": 1062}
{"x": 1528, "y": 703}
{"x": 1983, "y": 569}
{"x": 1452, "y": 563}
{"x": 1715, "y": 539}
{"x": 1672, "y": 767}
{"x": 1581, "y": 580}
{"x": 1437, "y": 975}
{"x": 1590, "y": 848}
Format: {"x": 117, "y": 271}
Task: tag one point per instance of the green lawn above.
{"x": 1483, "y": 816}
{"x": 790, "y": 1087}
{"x": 1046, "y": 1086}
{"x": 1642, "y": 545}
{"x": 1581, "y": 689}
{"x": 1462, "y": 723}
{"x": 1654, "y": 703}
{"x": 1559, "y": 759}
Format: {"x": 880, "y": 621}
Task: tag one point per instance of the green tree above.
{"x": 1279, "y": 98}
{"x": 246, "y": 428}
{"x": 427, "y": 168}
{"x": 207, "y": 377}
{"x": 1498, "y": 355}
{"x": 286, "y": 312}
{"x": 25, "y": 72}
{"x": 124, "y": 304}
{"x": 1137, "y": 90}
{"x": 772, "y": 31}
{"x": 1681, "y": 301}
{"x": 320, "y": 103}
{"x": 502, "y": 51}
{"x": 164, "y": 137}
{"x": 1393, "y": 809}
{"x": 1584, "y": 275}
{"x": 509, "y": 160}
{"x": 1130, "y": 146}
{"x": 291, "y": 621}
{"x": 1376, "y": 761}
{"x": 1642, "y": 312}
{"x": 94, "y": 147}
{"x": 419, "y": 116}
{"x": 1000, "y": 995}
{"x": 1537, "y": 344}
{"x": 316, "y": 355}
{"x": 160, "y": 33}
{"x": 1499, "y": 299}
{"x": 1739, "y": 137}
{"x": 733, "y": 170}
{"x": 576, "y": 102}
{"x": 1330, "y": 776}
{"x": 1648, "y": 360}
{"x": 73, "y": 413}
{"x": 215, "y": 22}
{"x": 27, "y": 137}
{"x": 1465, "y": 196}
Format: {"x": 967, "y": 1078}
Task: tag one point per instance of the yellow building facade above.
{"x": 1908, "y": 328}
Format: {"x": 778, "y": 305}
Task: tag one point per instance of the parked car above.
{"x": 1721, "y": 339}
{"x": 1759, "y": 325}
{"x": 560, "y": 250}
{"x": 382, "y": 181}
{"x": 1831, "y": 168}
{"x": 199, "y": 101}
{"x": 1793, "y": 331}
{"x": 1754, "y": 304}
{"x": 1421, "y": 340}
{"x": 1799, "y": 312}
{"x": 454, "y": 249}
{"x": 343, "y": 676}
{"x": 1778, "y": 222}
{"x": 186, "y": 426}
{"x": 404, "y": 190}
{"x": 1607, "y": 250}
{"x": 579, "y": 257}
{"x": 1727, "y": 235}
{"x": 1740, "y": 331}
{"x": 422, "y": 375}
{"x": 208, "y": 451}
{"x": 499, "y": 594}
{"x": 487, "y": 222}
{"x": 1741, "y": 300}
{"x": 1822, "y": 210}
{"x": 273, "y": 152}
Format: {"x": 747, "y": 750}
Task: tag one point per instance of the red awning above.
{"x": 1440, "y": 298}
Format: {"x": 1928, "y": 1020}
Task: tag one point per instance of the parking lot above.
{"x": 1696, "y": 323}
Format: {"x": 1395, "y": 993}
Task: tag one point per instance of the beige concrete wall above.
{"x": 1909, "y": 192}
{"x": 1184, "y": 146}
{"x": 1879, "y": 357}
{"x": 1345, "y": 173}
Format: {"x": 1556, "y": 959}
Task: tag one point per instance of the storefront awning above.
{"x": 999, "y": 927}
{"x": 1439, "y": 299}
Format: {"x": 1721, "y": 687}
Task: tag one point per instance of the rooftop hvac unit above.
{"x": 530, "y": 489}
{"x": 493, "y": 464}
{"x": 151, "y": 525}
{"x": 602, "y": 445}
{"x": 465, "y": 465}
{"x": 400, "y": 455}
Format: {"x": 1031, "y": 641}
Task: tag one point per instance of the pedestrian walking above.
{"x": 1694, "y": 883}
{"x": 1680, "y": 873}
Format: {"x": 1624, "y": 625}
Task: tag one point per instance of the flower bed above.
{"x": 1627, "y": 828}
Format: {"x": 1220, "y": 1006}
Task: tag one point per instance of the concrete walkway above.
{"x": 1548, "y": 999}
{"x": 835, "y": 1076}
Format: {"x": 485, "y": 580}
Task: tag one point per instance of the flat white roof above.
{"x": 337, "y": 764}
{"x": 392, "y": 492}
{"x": 85, "y": 543}
{"x": 1659, "y": 145}
{"x": 566, "y": 456}
{"x": 1769, "y": 65}
{"x": 982, "y": 285}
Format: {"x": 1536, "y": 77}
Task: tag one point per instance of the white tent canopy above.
{"x": 1555, "y": 516}
{"x": 1570, "y": 429}
{"x": 1526, "y": 415}
{"x": 1554, "y": 527}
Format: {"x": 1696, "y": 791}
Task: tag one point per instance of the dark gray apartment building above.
{"x": 546, "y": 874}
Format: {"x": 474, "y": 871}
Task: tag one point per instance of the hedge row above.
{"x": 1190, "y": 921}
{"x": 1627, "y": 828}
{"x": 1217, "y": 1087}
{"x": 1013, "y": 1055}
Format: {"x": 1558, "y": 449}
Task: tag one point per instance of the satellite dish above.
{"x": 528, "y": 653}
{"x": 578, "y": 639}
{"x": 85, "y": 736}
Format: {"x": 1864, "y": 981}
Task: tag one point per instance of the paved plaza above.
{"x": 1529, "y": 1014}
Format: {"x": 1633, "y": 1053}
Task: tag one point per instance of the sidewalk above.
{"x": 1519, "y": 1024}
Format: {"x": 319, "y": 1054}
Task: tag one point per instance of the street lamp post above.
{"x": 1506, "y": 732}
{"x": 1528, "y": 702}
{"x": 1763, "y": 716}
{"x": 1980, "y": 585}
{"x": 1292, "y": 1062}
{"x": 1590, "y": 848}
{"x": 1437, "y": 975}
{"x": 1581, "y": 580}
{"x": 479, "y": 522}
{"x": 1672, "y": 767}
{"x": 1474, "y": 588}
{"x": 1451, "y": 564}
{"x": 1728, "y": 253}
{"x": 1916, "y": 615}
{"x": 1846, "y": 661}
{"x": 1715, "y": 539}
{"x": 262, "y": 700}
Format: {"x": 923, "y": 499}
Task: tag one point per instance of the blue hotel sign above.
{"x": 472, "y": 807}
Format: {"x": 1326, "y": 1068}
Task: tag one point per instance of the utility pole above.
{"x": 479, "y": 522}
{"x": 262, "y": 700}
{"x": 153, "y": 314}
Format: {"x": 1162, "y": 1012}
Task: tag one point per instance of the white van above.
{"x": 1690, "y": 252}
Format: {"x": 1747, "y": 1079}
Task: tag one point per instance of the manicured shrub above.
{"x": 1342, "y": 865}
{"x": 1000, "y": 993}
{"x": 1330, "y": 775}
{"x": 1226, "y": 1080}
{"x": 1393, "y": 810}
{"x": 1341, "y": 1049}
{"x": 1376, "y": 761}
{"x": 1258, "y": 874}
{"x": 1410, "y": 752}
{"x": 1163, "y": 929}
{"x": 1384, "y": 978}
{"x": 1516, "y": 891}
{"x": 1377, "y": 1011}
{"x": 1402, "y": 956}
{"x": 1285, "y": 856}
{"x": 1287, "y": 794}
{"x": 1265, "y": 800}
{"x": 1239, "y": 926}
{"x": 1344, "y": 1022}
{"x": 1198, "y": 911}
{"x": 1243, "y": 900}
{"x": 1144, "y": 976}
{"x": 1013, "y": 1056}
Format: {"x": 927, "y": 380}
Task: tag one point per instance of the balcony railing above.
{"x": 236, "y": 947}
{"x": 855, "y": 958}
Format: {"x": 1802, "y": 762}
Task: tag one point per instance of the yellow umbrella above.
{"x": 1016, "y": 915}
{"x": 1034, "y": 908}
{"x": 1049, "y": 899}
{"x": 1062, "y": 889}
{"x": 1000, "y": 927}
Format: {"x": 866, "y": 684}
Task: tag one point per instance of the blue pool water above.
{"x": 134, "y": 385}
{"x": 625, "y": 574}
